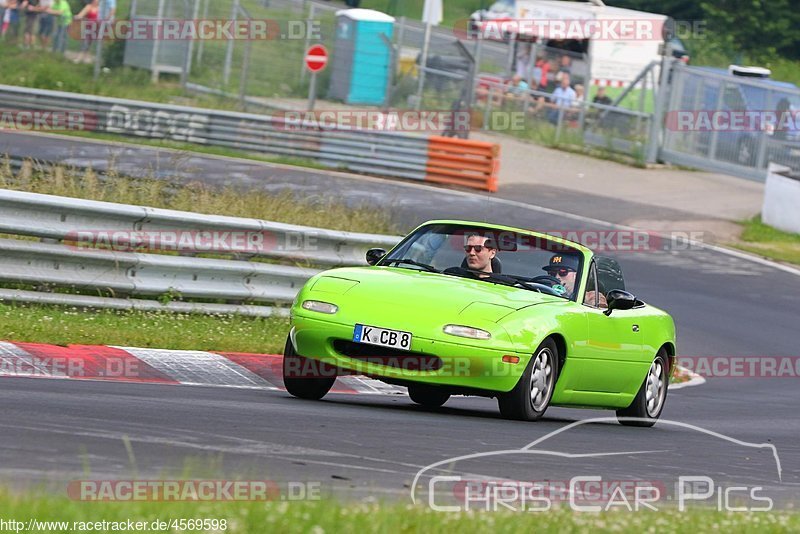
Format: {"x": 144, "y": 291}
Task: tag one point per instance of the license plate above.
{"x": 383, "y": 337}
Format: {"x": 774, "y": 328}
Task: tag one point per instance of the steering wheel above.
{"x": 546, "y": 279}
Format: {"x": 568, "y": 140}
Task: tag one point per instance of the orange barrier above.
{"x": 463, "y": 162}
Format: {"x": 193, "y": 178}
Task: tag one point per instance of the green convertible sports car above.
{"x": 465, "y": 308}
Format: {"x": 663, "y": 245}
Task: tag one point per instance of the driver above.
{"x": 479, "y": 252}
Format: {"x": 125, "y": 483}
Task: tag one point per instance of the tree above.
{"x": 760, "y": 28}
{"x": 763, "y": 28}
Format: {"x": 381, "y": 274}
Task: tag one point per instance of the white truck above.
{"x": 619, "y": 42}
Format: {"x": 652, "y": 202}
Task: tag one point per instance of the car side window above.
{"x": 609, "y": 275}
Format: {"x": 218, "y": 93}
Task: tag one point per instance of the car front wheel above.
{"x": 649, "y": 401}
{"x": 306, "y": 378}
{"x": 531, "y": 396}
{"x": 428, "y": 396}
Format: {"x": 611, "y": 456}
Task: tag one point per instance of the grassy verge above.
{"x": 328, "y": 515}
{"x": 282, "y": 207}
{"x": 770, "y": 242}
{"x": 63, "y": 325}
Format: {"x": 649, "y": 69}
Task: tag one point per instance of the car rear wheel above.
{"x": 428, "y": 396}
{"x": 306, "y": 378}
{"x": 649, "y": 401}
{"x": 531, "y": 396}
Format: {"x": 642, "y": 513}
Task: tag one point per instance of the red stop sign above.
{"x": 316, "y": 58}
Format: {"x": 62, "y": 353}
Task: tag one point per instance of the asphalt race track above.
{"x": 723, "y": 305}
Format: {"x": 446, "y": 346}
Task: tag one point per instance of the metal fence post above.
{"x": 761, "y": 150}
{"x": 156, "y": 44}
{"x": 200, "y": 46}
{"x": 307, "y": 41}
{"x": 654, "y": 139}
{"x": 226, "y": 71}
{"x": 401, "y": 34}
{"x": 245, "y": 71}
{"x": 392, "y": 70}
{"x": 478, "y": 55}
{"x": 488, "y": 109}
{"x": 98, "y": 52}
{"x": 423, "y": 65}
{"x": 187, "y": 60}
{"x": 559, "y": 124}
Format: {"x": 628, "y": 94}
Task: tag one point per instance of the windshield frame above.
{"x": 400, "y": 251}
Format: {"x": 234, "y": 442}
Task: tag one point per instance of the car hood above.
{"x": 389, "y": 292}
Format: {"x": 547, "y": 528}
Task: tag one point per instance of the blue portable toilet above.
{"x": 361, "y": 58}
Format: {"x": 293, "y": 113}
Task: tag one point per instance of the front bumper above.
{"x": 463, "y": 365}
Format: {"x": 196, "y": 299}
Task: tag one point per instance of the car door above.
{"x": 614, "y": 351}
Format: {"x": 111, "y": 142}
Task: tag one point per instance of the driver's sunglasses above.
{"x": 560, "y": 272}
{"x": 478, "y": 248}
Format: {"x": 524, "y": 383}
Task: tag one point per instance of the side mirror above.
{"x": 374, "y": 255}
{"x": 619, "y": 300}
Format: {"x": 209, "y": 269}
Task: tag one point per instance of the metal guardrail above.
{"x": 60, "y": 218}
{"x": 376, "y": 152}
{"x": 245, "y": 285}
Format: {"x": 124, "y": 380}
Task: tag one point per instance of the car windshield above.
{"x": 510, "y": 256}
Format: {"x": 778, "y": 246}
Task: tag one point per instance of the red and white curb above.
{"x": 694, "y": 379}
{"x": 161, "y": 366}
{"x": 187, "y": 367}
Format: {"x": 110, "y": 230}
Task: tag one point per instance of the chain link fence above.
{"x": 731, "y": 124}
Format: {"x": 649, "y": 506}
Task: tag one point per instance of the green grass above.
{"x": 330, "y": 212}
{"x": 42, "y": 70}
{"x": 770, "y": 242}
{"x": 328, "y": 515}
{"x": 64, "y": 325}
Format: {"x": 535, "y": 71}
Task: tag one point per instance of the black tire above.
{"x": 520, "y": 403}
{"x": 306, "y": 378}
{"x": 643, "y": 412}
{"x": 428, "y": 396}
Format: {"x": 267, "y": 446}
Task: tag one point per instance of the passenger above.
{"x": 564, "y": 268}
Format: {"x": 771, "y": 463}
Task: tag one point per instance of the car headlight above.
{"x": 466, "y": 331}
{"x": 319, "y": 306}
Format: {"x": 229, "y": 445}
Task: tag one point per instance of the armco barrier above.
{"x": 375, "y": 152}
{"x": 60, "y": 218}
{"x": 462, "y": 162}
{"x": 244, "y": 285}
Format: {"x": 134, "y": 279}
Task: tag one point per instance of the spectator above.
{"x": 564, "y": 67}
{"x": 579, "y": 95}
{"x": 108, "y": 10}
{"x": 540, "y": 72}
{"x": 11, "y": 19}
{"x": 517, "y": 89}
{"x": 782, "y": 113}
{"x": 90, "y": 13}
{"x": 518, "y": 86}
{"x": 561, "y": 99}
{"x": 45, "y": 22}
{"x": 32, "y": 10}
{"x": 6, "y": 20}
{"x": 62, "y": 14}
{"x": 601, "y": 97}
